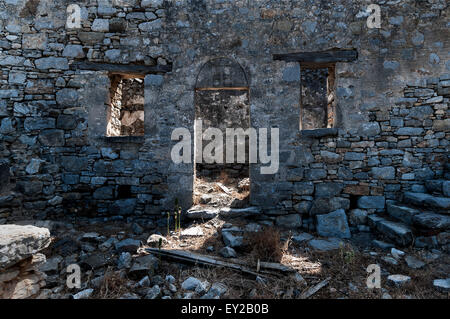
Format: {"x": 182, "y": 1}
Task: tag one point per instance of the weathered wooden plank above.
{"x": 330, "y": 56}
{"x": 321, "y": 132}
{"x": 275, "y": 266}
{"x": 133, "y": 69}
{"x": 311, "y": 291}
{"x": 199, "y": 259}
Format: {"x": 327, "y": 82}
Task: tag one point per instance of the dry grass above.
{"x": 224, "y": 178}
{"x": 265, "y": 245}
{"x": 113, "y": 286}
{"x": 344, "y": 266}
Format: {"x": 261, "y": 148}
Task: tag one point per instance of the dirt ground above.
{"x": 345, "y": 268}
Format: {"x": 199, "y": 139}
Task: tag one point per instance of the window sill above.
{"x": 123, "y": 139}
{"x": 318, "y": 133}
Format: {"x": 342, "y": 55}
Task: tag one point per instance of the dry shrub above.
{"x": 196, "y": 200}
{"x": 113, "y": 286}
{"x": 265, "y": 245}
{"x": 223, "y": 178}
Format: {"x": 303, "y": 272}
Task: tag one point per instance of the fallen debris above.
{"x": 311, "y": 291}
{"x": 209, "y": 261}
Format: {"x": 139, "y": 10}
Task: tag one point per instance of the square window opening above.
{"x": 318, "y": 97}
{"x": 126, "y": 106}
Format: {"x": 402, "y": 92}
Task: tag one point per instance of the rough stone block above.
{"x": 333, "y": 225}
{"x": 371, "y": 202}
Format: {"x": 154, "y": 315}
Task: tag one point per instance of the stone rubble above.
{"x": 20, "y": 273}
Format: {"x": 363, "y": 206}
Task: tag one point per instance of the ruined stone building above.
{"x": 87, "y": 113}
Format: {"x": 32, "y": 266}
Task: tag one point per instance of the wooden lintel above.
{"x": 244, "y": 88}
{"x": 134, "y": 70}
{"x": 330, "y": 56}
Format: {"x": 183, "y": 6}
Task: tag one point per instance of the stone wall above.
{"x": 400, "y": 148}
{"x": 54, "y": 116}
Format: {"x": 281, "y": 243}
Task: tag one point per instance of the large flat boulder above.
{"x": 20, "y": 242}
{"x": 403, "y": 213}
{"x": 326, "y": 244}
{"x": 422, "y": 199}
{"x": 198, "y": 212}
{"x": 432, "y": 221}
{"x": 239, "y": 212}
{"x": 398, "y": 232}
{"x": 333, "y": 225}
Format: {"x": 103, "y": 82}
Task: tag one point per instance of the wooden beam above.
{"x": 135, "y": 70}
{"x": 223, "y": 89}
{"x": 197, "y": 259}
{"x": 311, "y": 291}
{"x": 330, "y": 56}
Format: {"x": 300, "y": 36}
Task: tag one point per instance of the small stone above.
{"x": 216, "y": 291}
{"x": 397, "y": 254}
{"x": 51, "y": 265}
{"x": 201, "y": 213}
{"x": 170, "y": 279}
{"x": 325, "y": 245}
{"x": 144, "y": 282}
{"x": 73, "y": 51}
{"x": 299, "y": 279}
{"x": 390, "y": 260}
{"x": 228, "y": 252}
{"x": 188, "y": 295}
{"x": 108, "y": 244}
{"x": 386, "y": 296}
{"x": 129, "y": 296}
{"x": 100, "y": 25}
{"x": 153, "y": 293}
{"x": 202, "y": 287}
{"x": 155, "y": 239}
{"x": 442, "y": 284}
{"x": 124, "y": 261}
{"x": 129, "y": 245}
{"x": 172, "y": 288}
{"x": 289, "y": 221}
{"x": 398, "y": 280}
{"x": 382, "y": 244}
{"x": 191, "y": 283}
{"x": 260, "y": 280}
{"x": 34, "y": 166}
{"x": 232, "y": 241}
{"x": 192, "y": 232}
{"x": 414, "y": 263}
{"x": 157, "y": 280}
{"x": 303, "y": 237}
{"x": 143, "y": 266}
{"x": 85, "y": 294}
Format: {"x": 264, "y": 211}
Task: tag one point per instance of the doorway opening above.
{"x": 222, "y": 101}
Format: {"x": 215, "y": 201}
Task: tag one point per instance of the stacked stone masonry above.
{"x": 390, "y": 133}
